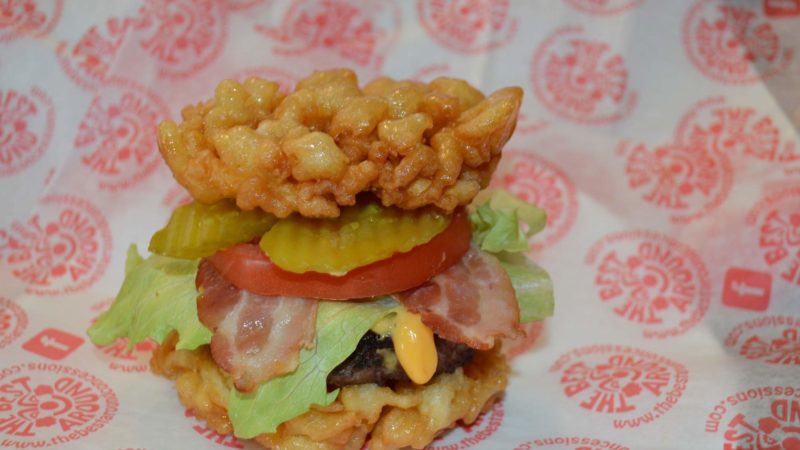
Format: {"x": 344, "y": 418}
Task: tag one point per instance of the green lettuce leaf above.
{"x": 497, "y": 222}
{"x": 499, "y": 225}
{"x": 340, "y": 325}
{"x": 157, "y": 296}
{"x": 533, "y": 287}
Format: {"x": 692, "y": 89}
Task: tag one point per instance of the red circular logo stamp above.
{"x": 632, "y": 386}
{"x": 777, "y": 221}
{"x": 581, "y": 79}
{"x": 765, "y": 417}
{"x": 13, "y": 321}
{"x": 734, "y": 43}
{"x": 28, "y": 18}
{"x": 735, "y": 130}
{"x": 651, "y": 280}
{"x": 691, "y": 176}
{"x": 120, "y": 356}
{"x": 539, "y": 182}
{"x": 571, "y": 443}
{"x": 468, "y": 26}
{"x": 358, "y": 32}
{"x": 201, "y": 427}
{"x": 772, "y": 340}
{"x": 604, "y": 7}
{"x": 88, "y": 62}
{"x": 467, "y": 436}
{"x": 115, "y": 138}
{"x": 180, "y": 36}
{"x": 44, "y": 404}
{"x": 26, "y": 128}
{"x": 63, "y": 248}
{"x": 520, "y": 345}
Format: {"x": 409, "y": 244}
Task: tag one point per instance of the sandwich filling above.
{"x": 302, "y": 281}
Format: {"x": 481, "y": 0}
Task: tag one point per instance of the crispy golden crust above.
{"x": 412, "y": 144}
{"x": 406, "y": 416}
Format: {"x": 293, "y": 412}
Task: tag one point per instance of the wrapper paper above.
{"x": 657, "y": 135}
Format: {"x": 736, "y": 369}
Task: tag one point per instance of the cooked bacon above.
{"x": 256, "y": 337}
{"x": 472, "y": 302}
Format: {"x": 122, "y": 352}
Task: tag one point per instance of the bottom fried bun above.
{"x": 406, "y": 415}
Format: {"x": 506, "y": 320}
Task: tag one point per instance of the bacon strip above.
{"x": 256, "y": 337}
{"x": 472, "y": 302}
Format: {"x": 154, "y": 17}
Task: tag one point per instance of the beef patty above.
{"x": 374, "y": 361}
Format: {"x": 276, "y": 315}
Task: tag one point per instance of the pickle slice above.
{"x": 361, "y": 235}
{"x": 197, "y": 230}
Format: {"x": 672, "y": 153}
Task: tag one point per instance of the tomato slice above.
{"x": 247, "y": 267}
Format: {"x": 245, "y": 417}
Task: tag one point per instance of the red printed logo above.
{"x": 693, "y": 175}
{"x": 734, "y": 43}
{"x": 541, "y": 183}
{"x": 604, "y": 7}
{"x": 467, "y": 436}
{"x": 357, "y": 32}
{"x": 571, "y": 443}
{"x": 468, "y": 26}
{"x": 26, "y": 128}
{"x": 782, "y": 8}
{"x": 773, "y": 340}
{"x": 652, "y": 281}
{"x": 183, "y": 36}
{"x": 632, "y": 386}
{"x": 581, "y": 79}
{"x": 766, "y": 417}
{"x": 28, "y": 18}
{"x": 777, "y": 219}
{"x": 53, "y": 344}
{"x": 517, "y": 346}
{"x": 735, "y": 130}
{"x": 120, "y": 356}
{"x": 63, "y": 248}
{"x": 46, "y": 404}
{"x": 180, "y": 36}
{"x": 115, "y": 137}
{"x": 747, "y": 289}
{"x": 13, "y": 321}
{"x": 202, "y": 428}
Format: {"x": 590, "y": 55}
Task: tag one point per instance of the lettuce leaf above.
{"x": 497, "y": 222}
{"x": 340, "y": 326}
{"x": 498, "y": 227}
{"x": 157, "y": 296}
{"x": 533, "y": 287}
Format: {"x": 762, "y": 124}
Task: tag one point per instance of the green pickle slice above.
{"x": 361, "y": 235}
{"x": 197, "y": 230}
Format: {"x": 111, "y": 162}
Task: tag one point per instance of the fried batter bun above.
{"x": 408, "y": 415}
{"x": 312, "y": 151}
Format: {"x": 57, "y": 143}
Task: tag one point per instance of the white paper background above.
{"x": 648, "y": 37}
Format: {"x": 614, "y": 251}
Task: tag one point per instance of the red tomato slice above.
{"x": 247, "y": 267}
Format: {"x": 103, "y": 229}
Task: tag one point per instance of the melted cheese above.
{"x": 414, "y": 347}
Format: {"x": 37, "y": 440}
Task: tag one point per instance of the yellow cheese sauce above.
{"x": 413, "y": 344}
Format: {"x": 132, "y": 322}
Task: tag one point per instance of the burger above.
{"x": 342, "y": 275}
